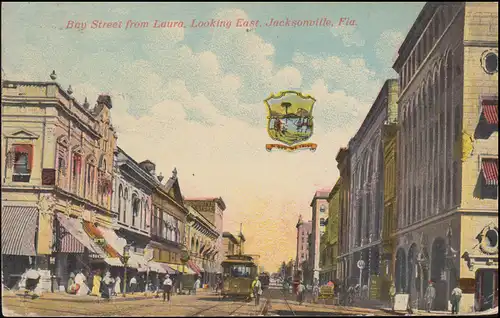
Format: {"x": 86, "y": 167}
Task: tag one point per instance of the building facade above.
{"x": 202, "y": 237}
{"x": 168, "y": 222}
{"x": 448, "y": 144}
{"x": 366, "y": 181}
{"x": 229, "y": 244}
{"x": 302, "y": 253}
{"x": 57, "y": 178}
{"x": 213, "y": 210}
{"x": 329, "y": 241}
{"x": 319, "y": 205}
{"x": 343, "y": 165}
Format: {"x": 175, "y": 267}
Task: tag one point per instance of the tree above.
{"x": 286, "y": 105}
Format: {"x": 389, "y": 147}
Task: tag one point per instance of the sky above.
{"x": 192, "y": 98}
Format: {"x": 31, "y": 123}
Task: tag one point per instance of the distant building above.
{"x": 302, "y": 253}
{"x": 213, "y": 210}
{"x": 319, "y": 205}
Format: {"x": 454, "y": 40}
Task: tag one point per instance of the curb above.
{"x": 392, "y": 312}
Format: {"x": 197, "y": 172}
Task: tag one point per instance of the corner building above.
{"x": 447, "y": 200}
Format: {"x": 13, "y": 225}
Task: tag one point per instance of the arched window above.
{"x": 136, "y": 205}
{"x": 125, "y": 201}
{"x": 142, "y": 217}
{"x": 120, "y": 198}
{"x": 192, "y": 244}
{"x": 75, "y": 173}
{"x": 197, "y": 246}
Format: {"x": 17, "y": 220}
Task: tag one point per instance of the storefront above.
{"x": 18, "y": 241}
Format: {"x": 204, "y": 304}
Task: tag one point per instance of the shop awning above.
{"x": 19, "y": 227}
{"x": 96, "y": 235}
{"x": 193, "y": 266}
{"x": 168, "y": 269}
{"x": 490, "y": 112}
{"x": 137, "y": 261}
{"x": 490, "y": 171}
{"x": 156, "y": 267}
{"x": 113, "y": 239}
{"x": 73, "y": 237}
{"x": 114, "y": 261}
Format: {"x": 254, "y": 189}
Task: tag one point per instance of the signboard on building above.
{"x": 375, "y": 287}
{"x": 401, "y": 302}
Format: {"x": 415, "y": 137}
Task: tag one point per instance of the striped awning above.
{"x": 490, "y": 171}
{"x": 193, "y": 266}
{"x": 19, "y": 227}
{"x": 96, "y": 235}
{"x": 156, "y": 267}
{"x": 490, "y": 112}
{"x": 73, "y": 238}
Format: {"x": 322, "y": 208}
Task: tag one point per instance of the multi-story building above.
{"x": 343, "y": 165}
{"x": 329, "y": 241}
{"x": 366, "y": 181}
{"x": 57, "y": 172}
{"x": 132, "y": 202}
{"x": 168, "y": 222}
{"x": 302, "y": 253}
{"x": 319, "y": 205}
{"x": 213, "y": 210}
{"x": 229, "y": 244}
{"x": 202, "y": 236}
{"x": 448, "y": 144}
{"x": 389, "y": 223}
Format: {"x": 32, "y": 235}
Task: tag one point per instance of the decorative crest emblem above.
{"x": 290, "y": 120}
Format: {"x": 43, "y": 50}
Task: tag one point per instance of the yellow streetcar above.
{"x": 238, "y": 273}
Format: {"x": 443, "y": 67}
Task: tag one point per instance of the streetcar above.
{"x": 238, "y": 273}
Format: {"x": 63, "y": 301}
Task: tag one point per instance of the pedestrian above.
{"x": 117, "y": 287}
{"x": 133, "y": 284}
{"x": 430, "y": 295}
{"x": 350, "y": 295}
{"x": 81, "y": 284}
{"x": 392, "y": 295}
{"x": 365, "y": 292}
{"x": 456, "y": 296}
{"x": 71, "y": 282}
{"x": 196, "y": 285}
{"x": 32, "y": 279}
{"x": 167, "y": 287}
{"x": 107, "y": 287}
{"x": 257, "y": 289}
{"x": 96, "y": 284}
{"x": 315, "y": 291}
{"x": 300, "y": 292}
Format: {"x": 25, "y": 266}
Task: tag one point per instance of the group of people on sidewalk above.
{"x": 430, "y": 296}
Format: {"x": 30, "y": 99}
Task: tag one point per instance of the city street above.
{"x": 203, "y": 304}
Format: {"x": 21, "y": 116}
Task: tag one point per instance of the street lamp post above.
{"x": 451, "y": 255}
{"x": 423, "y": 264}
{"x": 126, "y": 257}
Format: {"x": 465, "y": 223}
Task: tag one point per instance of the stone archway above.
{"x": 438, "y": 274}
{"x": 400, "y": 277}
{"x": 412, "y": 272}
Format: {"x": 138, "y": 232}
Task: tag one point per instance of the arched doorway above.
{"x": 412, "y": 271}
{"x": 400, "y": 271}
{"x": 438, "y": 273}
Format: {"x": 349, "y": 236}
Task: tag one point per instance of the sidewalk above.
{"x": 84, "y": 298}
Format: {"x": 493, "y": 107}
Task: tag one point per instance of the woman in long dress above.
{"x": 96, "y": 286}
{"x": 117, "y": 289}
{"x": 81, "y": 280}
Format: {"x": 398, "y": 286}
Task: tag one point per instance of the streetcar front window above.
{"x": 238, "y": 271}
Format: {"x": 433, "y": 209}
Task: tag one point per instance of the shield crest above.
{"x": 290, "y": 119}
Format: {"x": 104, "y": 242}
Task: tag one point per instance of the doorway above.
{"x": 487, "y": 288}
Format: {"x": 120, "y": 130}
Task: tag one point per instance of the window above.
{"x": 120, "y": 198}
{"x": 23, "y": 157}
{"x": 490, "y": 63}
{"x": 61, "y": 170}
{"x": 489, "y": 178}
{"x": 135, "y": 209}
{"x": 125, "y": 201}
